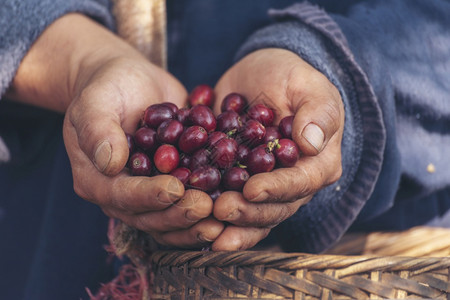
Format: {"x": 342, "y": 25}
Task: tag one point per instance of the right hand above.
{"x": 104, "y": 85}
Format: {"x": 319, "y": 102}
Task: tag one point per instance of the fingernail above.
{"x": 261, "y": 197}
{"x": 102, "y": 156}
{"x": 174, "y": 188}
{"x": 191, "y": 216}
{"x": 314, "y": 135}
{"x": 203, "y": 239}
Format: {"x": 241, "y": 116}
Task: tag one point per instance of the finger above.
{"x": 235, "y": 238}
{"x": 233, "y": 208}
{"x": 192, "y": 207}
{"x": 202, "y": 233}
{"x": 307, "y": 176}
{"x": 99, "y": 131}
{"x": 317, "y": 119}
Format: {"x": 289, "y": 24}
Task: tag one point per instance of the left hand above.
{"x": 290, "y": 86}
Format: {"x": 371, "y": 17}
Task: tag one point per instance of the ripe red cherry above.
{"x": 203, "y": 116}
{"x": 166, "y": 158}
{"x": 242, "y": 154}
{"x": 285, "y": 126}
{"x": 182, "y": 174}
{"x": 170, "y": 131}
{"x": 183, "y": 115}
{"x": 214, "y": 137}
{"x": 252, "y": 133}
{"x": 205, "y": 178}
{"x": 286, "y": 152}
{"x": 223, "y": 153}
{"x": 202, "y": 94}
{"x": 199, "y": 159}
{"x": 130, "y": 142}
{"x": 272, "y": 133}
{"x": 172, "y": 106}
{"x": 260, "y": 160}
{"x": 155, "y": 114}
{"x": 140, "y": 164}
{"x": 262, "y": 114}
{"x": 235, "y": 178}
{"x": 145, "y": 139}
{"x": 192, "y": 138}
{"x": 235, "y": 102}
{"x": 229, "y": 121}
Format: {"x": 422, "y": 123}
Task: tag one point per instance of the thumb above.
{"x": 101, "y": 138}
{"x": 315, "y": 122}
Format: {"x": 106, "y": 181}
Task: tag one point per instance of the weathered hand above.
{"x": 286, "y": 83}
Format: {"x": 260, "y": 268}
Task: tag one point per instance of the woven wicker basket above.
{"x": 277, "y": 275}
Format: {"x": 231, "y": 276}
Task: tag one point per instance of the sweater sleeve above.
{"x": 368, "y": 140}
{"x": 21, "y": 23}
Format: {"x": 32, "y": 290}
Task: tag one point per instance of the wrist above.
{"x": 62, "y": 60}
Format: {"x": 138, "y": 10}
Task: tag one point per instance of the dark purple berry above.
{"x": 192, "y": 138}
{"x": 285, "y": 126}
{"x": 183, "y": 116}
{"x": 242, "y": 154}
{"x": 235, "y": 178}
{"x": 172, "y": 106}
{"x": 286, "y": 152}
{"x": 272, "y": 133}
{"x": 229, "y": 122}
{"x": 169, "y": 132}
{"x": 260, "y": 160}
{"x": 223, "y": 153}
{"x": 203, "y": 116}
{"x": 199, "y": 159}
{"x": 262, "y": 114}
{"x": 205, "y": 178}
{"x": 155, "y": 114}
{"x": 252, "y": 133}
{"x": 202, "y": 94}
{"x": 182, "y": 174}
{"x": 235, "y": 102}
{"x": 145, "y": 139}
{"x": 140, "y": 164}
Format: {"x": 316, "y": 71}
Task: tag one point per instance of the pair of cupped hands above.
{"x": 103, "y": 85}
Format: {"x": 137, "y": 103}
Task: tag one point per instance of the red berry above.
{"x": 192, "y": 138}
{"x": 272, "y": 133}
{"x": 183, "y": 115}
{"x": 285, "y": 126}
{"x": 203, "y": 116}
{"x": 172, "y": 106}
{"x": 260, "y": 160}
{"x": 235, "y": 178}
{"x": 166, "y": 158}
{"x": 229, "y": 121}
{"x": 199, "y": 159}
{"x": 252, "y": 133}
{"x": 214, "y": 137}
{"x": 202, "y": 94}
{"x": 131, "y": 144}
{"x": 262, "y": 114}
{"x": 215, "y": 194}
{"x": 140, "y": 164}
{"x": 155, "y": 114}
{"x": 169, "y": 131}
{"x": 145, "y": 139}
{"x": 235, "y": 102}
{"x": 182, "y": 174}
{"x": 223, "y": 153}
{"x": 205, "y": 178}
{"x": 242, "y": 154}
{"x": 286, "y": 152}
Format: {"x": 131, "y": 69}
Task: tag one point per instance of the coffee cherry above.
{"x": 202, "y": 94}
{"x": 199, "y": 159}
{"x": 214, "y": 137}
{"x": 203, "y": 116}
{"x": 235, "y": 178}
{"x": 172, "y": 106}
{"x": 223, "y": 153}
{"x": 185, "y": 160}
{"x": 140, "y": 164}
{"x": 166, "y": 158}
{"x": 242, "y": 154}
{"x": 285, "y": 126}
{"x": 272, "y": 133}
{"x": 262, "y": 114}
{"x": 229, "y": 121}
{"x": 235, "y": 102}
{"x": 192, "y": 138}
{"x": 260, "y": 160}
{"x": 183, "y": 116}
{"x": 205, "y": 178}
{"x": 145, "y": 139}
{"x": 155, "y": 114}
{"x": 215, "y": 194}
{"x": 130, "y": 142}
{"x": 169, "y": 132}
{"x": 182, "y": 174}
{"x": 286, "y": 152}
{"x": 252, "y": 133}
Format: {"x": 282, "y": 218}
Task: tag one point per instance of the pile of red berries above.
{"x": 213, "y": 154}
